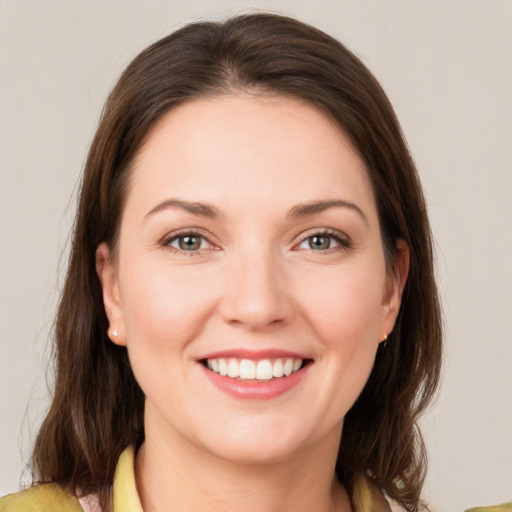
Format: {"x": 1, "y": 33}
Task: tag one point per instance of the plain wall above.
{"x": 447, "y": 67}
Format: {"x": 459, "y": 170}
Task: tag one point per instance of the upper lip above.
{"x": 272, "y": 353}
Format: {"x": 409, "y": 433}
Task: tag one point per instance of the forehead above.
{"x": 239, "y": 149}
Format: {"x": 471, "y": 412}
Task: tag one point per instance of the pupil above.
{"x": 190, "y": 243}
{"x": 319, "y": 242}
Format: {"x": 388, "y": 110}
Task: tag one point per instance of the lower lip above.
{"x": 253, "y": 390}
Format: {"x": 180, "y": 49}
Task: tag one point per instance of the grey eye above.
{"x": 188, "y": 242}
{"x": 320, "y": 242}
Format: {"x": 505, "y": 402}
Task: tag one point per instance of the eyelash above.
{"x": 166, "y": 242}
{"x": 343, "y": 242}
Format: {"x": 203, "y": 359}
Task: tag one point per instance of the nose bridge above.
{"x": 256, "y": 295}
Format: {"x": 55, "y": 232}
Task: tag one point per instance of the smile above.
{"x": 255, "y": 374}
{"x": 248, "y": 369}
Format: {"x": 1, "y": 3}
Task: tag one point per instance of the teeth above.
{"x": 223, "y": 367}
{"x": 277, "y": 370}
{"x": 288, "y": 367}
{"x": 246, "y": 369}
{"x": 233, "y": 368}
{"x": 264, "y": 370}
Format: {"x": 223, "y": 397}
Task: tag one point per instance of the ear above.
{"x": 111, "y": 299}
{"x": 395, "y": 285}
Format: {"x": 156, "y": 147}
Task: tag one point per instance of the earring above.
{"x": 114, "y": 333}
{"x": 385, "y": 341}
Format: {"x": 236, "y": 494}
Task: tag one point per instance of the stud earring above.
{"x": 114, "y": 333}
{"x": 385, "y": 341}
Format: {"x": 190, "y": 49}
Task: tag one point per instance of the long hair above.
{"x": 97, "y": 407}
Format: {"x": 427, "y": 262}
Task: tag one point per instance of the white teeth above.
{"x": 288, "y": 367}
{"x": 233, "y": 368}
{"x": 277, "y": 370}
{"x": 247, "y": 369}
{"x": 223, "y": 367}
{"x": 264, "y": 370}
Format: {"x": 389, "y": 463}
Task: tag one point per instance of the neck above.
{"x": 187, "y": 478}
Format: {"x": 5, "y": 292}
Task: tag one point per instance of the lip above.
{"x": 254, "y": 354}
{"x": 255, "y": 390}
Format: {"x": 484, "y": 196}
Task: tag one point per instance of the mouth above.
{"x": 255, "y": 370}
{"x": 255, "y": 374}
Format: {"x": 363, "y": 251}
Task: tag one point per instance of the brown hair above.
{"x": 97, "y": 407}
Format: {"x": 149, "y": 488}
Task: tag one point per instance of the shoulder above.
{"x": 40, "y": 498}
{"x": 505, "y": 507}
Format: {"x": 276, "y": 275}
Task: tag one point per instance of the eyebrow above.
{"x": 306, "y": 209}
{"x": 298, "y": 211}
{"x": 196, "y": 208}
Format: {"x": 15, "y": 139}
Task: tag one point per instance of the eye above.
{"x": 188, "y": 242}
{"x": 323, "y": 241}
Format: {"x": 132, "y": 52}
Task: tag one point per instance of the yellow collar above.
{"x": 126, "y": 499}
{"x": 368, "y": 498}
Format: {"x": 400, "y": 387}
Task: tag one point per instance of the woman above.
{"x": 250, "y": 318}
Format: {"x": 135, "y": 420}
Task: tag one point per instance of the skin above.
{"x": 254, "y": 283}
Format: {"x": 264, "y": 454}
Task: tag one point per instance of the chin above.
{"x": 251, "y": 453}
{"x": 261, "y": 443}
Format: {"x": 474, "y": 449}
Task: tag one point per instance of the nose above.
{"x": 256, "y": 294}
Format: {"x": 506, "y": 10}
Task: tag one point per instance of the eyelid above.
{"x": 343, "y": 240}
{"x": 198, "y": 232}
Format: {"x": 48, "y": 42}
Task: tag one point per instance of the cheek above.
{"x": 345, "y": 315}
{"x": 164, "y": 308}
{"x": 341, "y": 307}
{"x": 345, "y": 306}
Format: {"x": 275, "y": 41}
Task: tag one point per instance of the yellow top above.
{"x": 126, "y": 498}
{"x": 52, "y": 498}
{"x": 40, "y": 498}
{"x": 505, "y": 507}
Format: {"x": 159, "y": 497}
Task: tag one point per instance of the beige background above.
{"x": 447, "y": 67}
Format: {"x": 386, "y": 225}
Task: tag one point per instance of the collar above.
{"x": 126, "y": 498}
{"x": 367, "y": 498}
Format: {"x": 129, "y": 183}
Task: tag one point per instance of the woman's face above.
{"x": 250, "y": 285}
